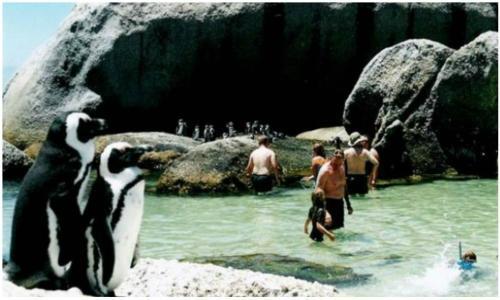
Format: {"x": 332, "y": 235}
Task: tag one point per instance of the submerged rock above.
{"x": 289, "y": 266}
{"x": 466, "y": 95}
{"x": 156, "y": 61}
{"x": 15, "y": 163}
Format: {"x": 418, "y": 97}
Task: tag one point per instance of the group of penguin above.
{"x": 63, "y": 236}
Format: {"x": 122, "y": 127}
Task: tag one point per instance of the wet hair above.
{"x": 470, "y": 256}
{"x": 263, "y": 140}
{"x": 318, "y": 197}
{"x": 319, "y": 150}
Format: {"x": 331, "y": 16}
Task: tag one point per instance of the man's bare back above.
{"x": 356, "y": 161}
{"x": 263, "y": 160}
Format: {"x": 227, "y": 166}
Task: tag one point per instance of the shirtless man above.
{"x": 369, "y": 166}
{"x": 261, "y": 165}
{"x": 356, "y": 158}
{"x": 332, "y": 180}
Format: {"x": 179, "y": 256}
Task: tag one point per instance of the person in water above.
{"x": 318, "y": 159}
{"x": 356, "y": 159}
{"x": 467, "y": 260}
{"x": 319, "y": 217}
{"x": 261, "y": 164}
{"x": 369, "y": 166}
{"x": 332, "y": 180}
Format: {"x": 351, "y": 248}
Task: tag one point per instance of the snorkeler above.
{"x": 467, "y": 260}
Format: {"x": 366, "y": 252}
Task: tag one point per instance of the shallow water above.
{"x": 404, "y": 236}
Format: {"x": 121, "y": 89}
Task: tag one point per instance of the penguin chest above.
{"x": 126, "y": 232}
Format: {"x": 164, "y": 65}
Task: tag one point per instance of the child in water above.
{"x": 320, "y": 218}
{"x": 467, "y": 261}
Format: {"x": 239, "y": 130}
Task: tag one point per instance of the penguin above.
{"x": 50, "y": 203}
{"x": 112, "y": 221}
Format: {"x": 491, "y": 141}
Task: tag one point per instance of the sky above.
{"x": 25, "y": 27}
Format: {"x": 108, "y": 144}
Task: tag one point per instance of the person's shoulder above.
{"x": 318, "y": 160}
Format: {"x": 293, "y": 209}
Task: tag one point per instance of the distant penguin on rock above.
{"x": 50, "y": 202}
{"x": 112, "y": 221}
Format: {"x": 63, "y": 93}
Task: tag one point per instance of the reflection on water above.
{"x": 404, "y": 236}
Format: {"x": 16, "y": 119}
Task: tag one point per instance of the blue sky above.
{"x": 26, "y": 26}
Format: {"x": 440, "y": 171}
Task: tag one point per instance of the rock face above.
{"x": 131, "y": 61}
{"x": 15, "y": 163}
{"x": 219, "y": 166}
{"x": 412, "y": 98}
{"x": 162, "y": 278}
{"x": 466, "y": 96}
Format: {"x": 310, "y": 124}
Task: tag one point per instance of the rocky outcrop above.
{"x": 219, "y": 166}
{"x": 162, "y": 278}
{"x": 15, "y": 163}
{"x": 130, "y": 62}
{"x": 421, "y": 101}
{"x": 215, "y": 167}
{"x": 166, "y": 147}
{"x": 465, "y": 117}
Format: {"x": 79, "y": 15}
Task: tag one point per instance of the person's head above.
{"x": 263, "y": 140}
{"x": 365, "y": 142}
{"x": 319, "y": 150}
{"x": 469, "y": 256}
{"x": 337, "y": 158}
{"x": 318, "y": 197}
{"x": 356, "y": 140}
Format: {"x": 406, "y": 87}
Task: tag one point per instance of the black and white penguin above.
{"x": 50, "y": 203}
{"x": 113, "y": 218}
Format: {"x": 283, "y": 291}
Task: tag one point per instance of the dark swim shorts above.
{"x": 262, "y": 183}
{"x": 336, "y": 209}
{"x": 357, "y": 184}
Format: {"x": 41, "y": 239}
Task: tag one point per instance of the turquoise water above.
{"x": 404, "y": 236}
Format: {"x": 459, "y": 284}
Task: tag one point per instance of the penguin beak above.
{"x": 100, "y": 126}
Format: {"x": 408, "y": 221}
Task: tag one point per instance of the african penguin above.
{"x": 50, "y": 203}
{"x": 113, "y": 219}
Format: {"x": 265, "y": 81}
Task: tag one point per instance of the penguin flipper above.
{"x": 103, "y": 236}
{"x": 69, "y": 223}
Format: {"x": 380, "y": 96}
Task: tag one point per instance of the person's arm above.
{"x": 374, "y": 161}
{"x": 347, "y": 201}
{"x": 306, "y": 226}
{"x": 274, "y": 163}
{"x": 323, "y": 230}
{"x": 321, "y": 181}
{"x": 250, "y": 165}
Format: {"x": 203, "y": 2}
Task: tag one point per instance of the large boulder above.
{"x": 131, "y": 61}
{"x": 421, "y": 101}
{"x": 166, "y": 147}
{"x": 213, "y": 167}
{"x": 15, "y": 163}
{"x": 466, "y": 96}
{"x": 394, "y": 85}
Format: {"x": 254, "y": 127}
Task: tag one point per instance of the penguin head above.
{"x": 119, "y": 156}
{"x": 75, "y": 128}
